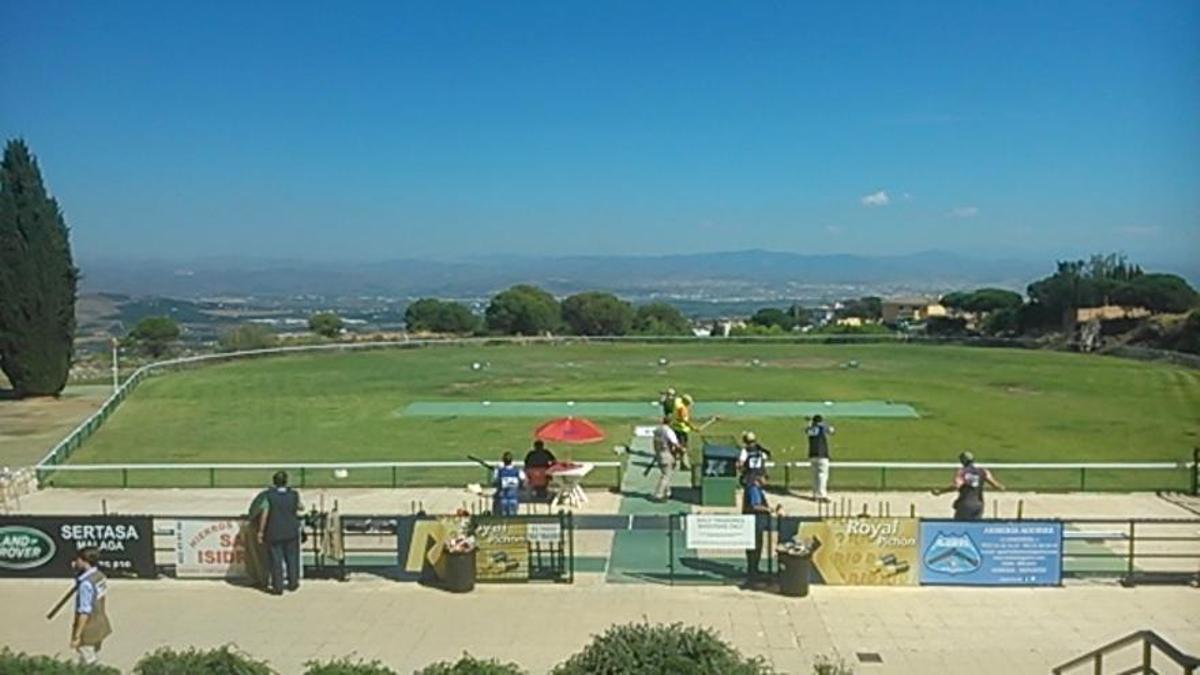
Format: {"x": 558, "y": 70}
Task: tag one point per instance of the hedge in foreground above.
{"x": 344, "y": 666}
{"x": 226, "y": 660}
{"x": 20, "y": 663}
{"x": 659, "y": 648}
{"x": 469, "y": 665}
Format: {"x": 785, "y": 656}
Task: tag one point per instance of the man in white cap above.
{"x": 753, "y": 459}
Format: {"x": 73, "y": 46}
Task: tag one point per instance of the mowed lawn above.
{"x": 1006, "y": 405}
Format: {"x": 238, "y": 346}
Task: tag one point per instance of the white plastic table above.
{"x": 567, "y": 479}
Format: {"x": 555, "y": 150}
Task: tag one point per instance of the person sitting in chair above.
{"x": 537, "y": 461}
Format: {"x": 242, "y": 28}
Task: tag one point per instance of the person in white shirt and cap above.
{"x": 666, "y": 445}
{"x": 90, "y": 626}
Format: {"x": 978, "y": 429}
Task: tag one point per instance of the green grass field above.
{"x": 1006, "y": 405}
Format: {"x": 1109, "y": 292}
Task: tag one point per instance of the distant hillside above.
{"x": 482, "y": 276}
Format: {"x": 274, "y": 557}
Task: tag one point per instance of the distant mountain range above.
{"x": 736, "y": 273}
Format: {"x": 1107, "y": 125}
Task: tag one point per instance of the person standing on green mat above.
{"x": 666, "y": 444}
{"x": 681, "y": 422}
{"x": 666, "y": 400}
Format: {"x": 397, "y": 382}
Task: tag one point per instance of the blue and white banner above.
{"x": 991, "y": 553}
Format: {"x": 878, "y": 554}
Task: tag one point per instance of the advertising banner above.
{"x": 864, "y": 551}
{"x": 719, "y": 531}
{"x": 43, "y": 546}
{"x": 503, "y": 550}
{"x": 211, "y": 548}
{"x": 991, "y": 553}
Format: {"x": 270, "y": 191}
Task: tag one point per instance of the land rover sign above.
{"x": 43, "y": 546}
{"x": 23, "y": 548}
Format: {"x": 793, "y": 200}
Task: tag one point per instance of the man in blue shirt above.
{"x": 507, "y": 481}
{"x": 754, "y": 502}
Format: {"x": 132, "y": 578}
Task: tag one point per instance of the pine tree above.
{"x": 37, "y": 280}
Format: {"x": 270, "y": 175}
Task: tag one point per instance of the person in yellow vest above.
{"x": 681, "y": 423}
{"x": 91, "y": 626}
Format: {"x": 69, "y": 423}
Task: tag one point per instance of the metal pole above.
{"x": 1132, "y": 542}
{"x": 1196, "y": 471}
{"x": 671, "y": 548}
{"x": 116, "y": 370}
{"x": 1082, "y": 479}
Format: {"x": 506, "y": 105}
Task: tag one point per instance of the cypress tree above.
{"x": 37, "y": 280}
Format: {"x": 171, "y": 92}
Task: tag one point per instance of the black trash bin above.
{"x": 460, "y": 572}
{"x": 794, "y": 568}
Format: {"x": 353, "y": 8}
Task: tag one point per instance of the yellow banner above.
{"x": 503, "y": 550}
{"x": 865, "y": 551}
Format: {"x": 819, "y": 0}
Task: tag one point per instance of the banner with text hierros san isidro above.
{"x": 991, "y": 553}
{"x": 210, "y": 548}
{"x": 864, "y": 551}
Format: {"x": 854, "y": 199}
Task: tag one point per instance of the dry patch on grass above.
{"x": 497, "y": 383}
{"x": 743, "y": 362}
{"x": 30, "y": 427}
{"x": 1015, "y": 389}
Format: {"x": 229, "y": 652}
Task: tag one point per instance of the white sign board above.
{"x": 209, "y": 548}
{"x": 644, "y": 432}
{"x": 543, "y": 533}
{"x": 719, "y": 531}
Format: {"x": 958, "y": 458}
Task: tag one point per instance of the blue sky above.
{"x": 385, "y": 130}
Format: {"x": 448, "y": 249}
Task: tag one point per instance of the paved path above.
{"x": 914, "y": 630}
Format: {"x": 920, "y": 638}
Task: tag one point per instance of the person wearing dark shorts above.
{"x": 969, "y": 482}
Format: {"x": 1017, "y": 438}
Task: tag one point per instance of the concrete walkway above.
{"x": 913, "y": 630}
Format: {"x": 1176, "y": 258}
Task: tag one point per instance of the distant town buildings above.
{"x": 895, "y": 310}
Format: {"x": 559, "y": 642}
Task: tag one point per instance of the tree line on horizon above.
{"x": 39, "y": 285}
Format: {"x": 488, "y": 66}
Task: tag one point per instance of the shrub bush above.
{"x": 828, "y": 665}
{"x": 344, "y": 666}
{"x": 226, "y": 660}
{"x": 469, "y": 665}
{"x": 20, "y": 663}
{"x": 658, "y": 648}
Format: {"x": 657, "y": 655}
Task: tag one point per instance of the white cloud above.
{"x": 907, "y": 197}
{"x": 964, "y": 212}
{"x": 876, "y": 199}
{"x": 834, "y": 229}
{"x": 1139, "y": 231}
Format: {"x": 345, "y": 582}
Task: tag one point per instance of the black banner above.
{"x": 43, "y": 546}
